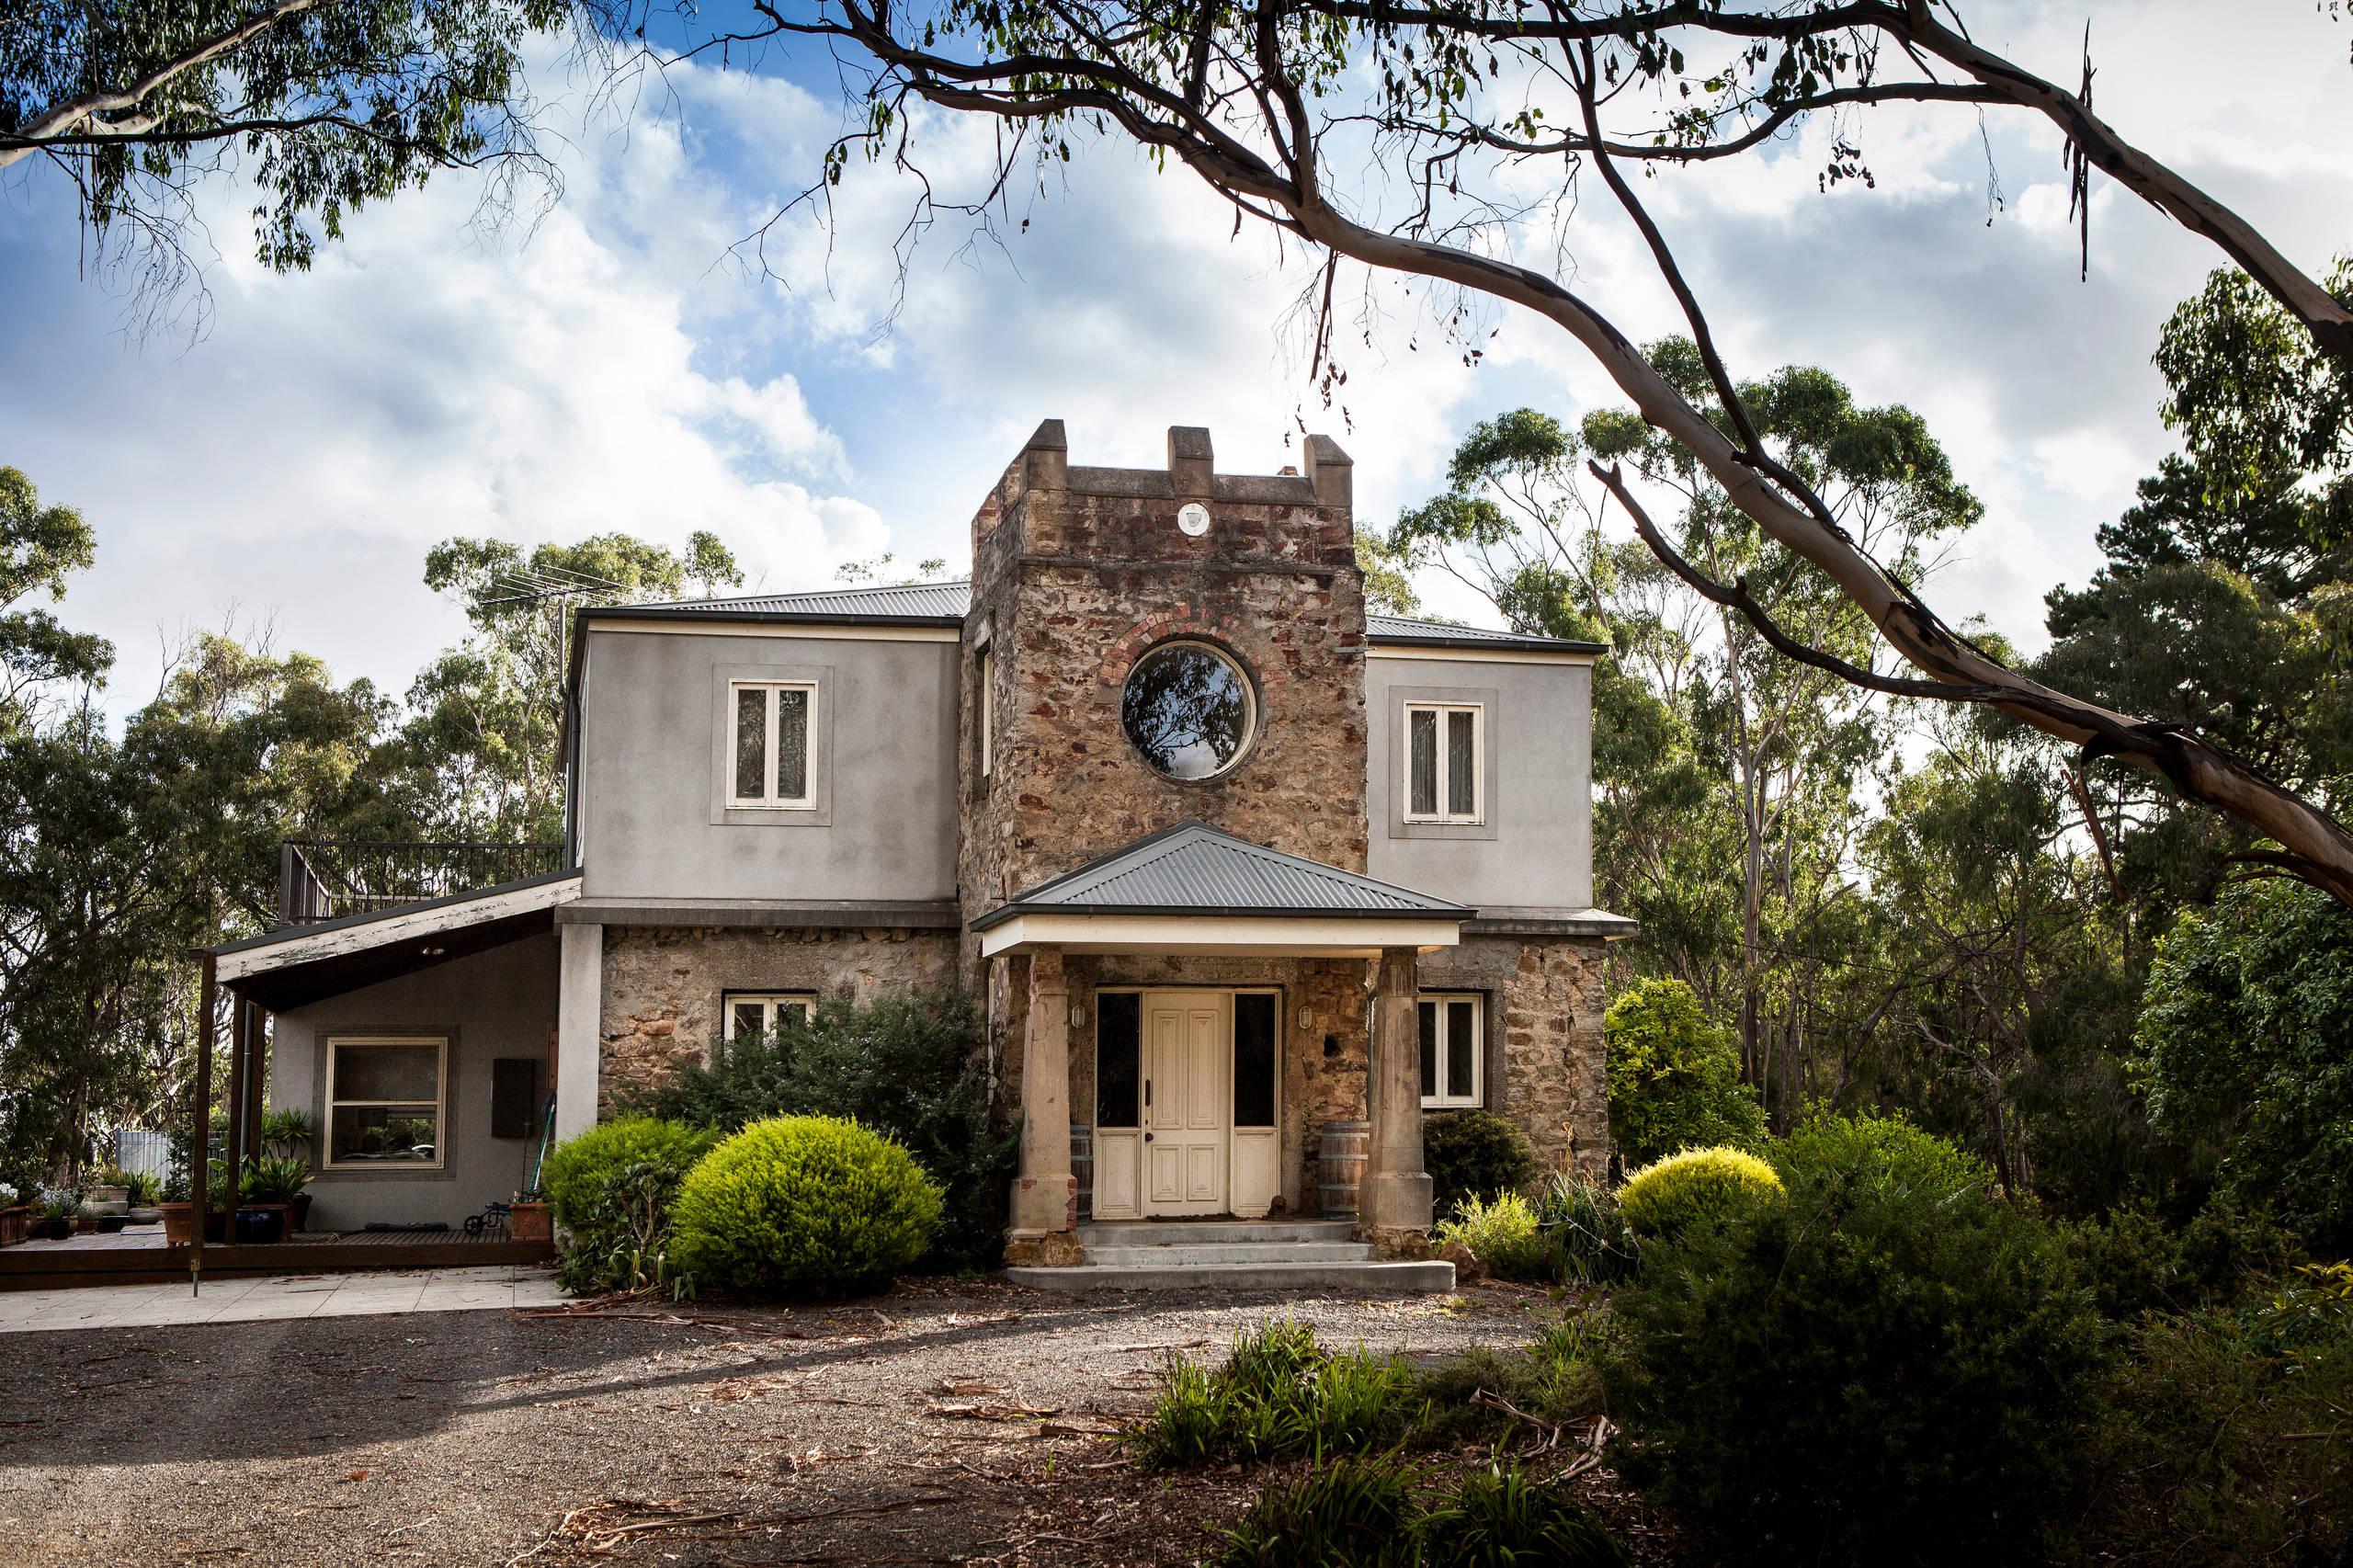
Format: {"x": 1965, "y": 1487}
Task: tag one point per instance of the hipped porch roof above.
{"x": 1191, "y": 889}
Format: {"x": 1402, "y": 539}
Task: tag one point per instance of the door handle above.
{"x": 1147, "y": 1137}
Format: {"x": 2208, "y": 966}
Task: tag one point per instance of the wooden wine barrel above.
{"x": 1082, "y": 1167}
{"x": 1346, "y": 1144}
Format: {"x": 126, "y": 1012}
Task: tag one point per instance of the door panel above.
{"x": 1190, "y": 1052}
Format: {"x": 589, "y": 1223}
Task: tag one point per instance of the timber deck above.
{"x": 139, "y": 1256}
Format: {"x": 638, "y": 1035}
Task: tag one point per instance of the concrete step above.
{"x": 1210, "y": 1233}
{"x": 1231, "y": 1252}
{"x": 1401, "y": 1278}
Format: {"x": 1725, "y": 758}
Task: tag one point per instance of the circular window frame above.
{"x": 1255, "y": 720}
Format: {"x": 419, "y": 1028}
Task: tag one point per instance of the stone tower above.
{"x": 1080, "y": 573}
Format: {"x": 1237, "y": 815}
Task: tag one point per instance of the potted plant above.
{"x": 271, "y": 1185}
{"x": 16, "y": 1219}
{"x": 283, "y": 1132}
{"x": 529, "y": 1220}
{"x": 55, "y": 1220}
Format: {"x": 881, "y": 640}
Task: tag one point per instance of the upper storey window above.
{"x": 1189, "y": 710}
{"x": 772, "y": 722}
{"x": 1445, "y": 763}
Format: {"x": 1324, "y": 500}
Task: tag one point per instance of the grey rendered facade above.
{"x": 1370, "y": 881}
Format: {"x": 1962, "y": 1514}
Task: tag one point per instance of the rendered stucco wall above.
{"x": 651, "y": 736}
{"x": 500, "y": 1003}
{"x": 1540, "y": 782}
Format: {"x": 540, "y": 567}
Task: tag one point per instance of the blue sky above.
{"x": 610, "y": 360}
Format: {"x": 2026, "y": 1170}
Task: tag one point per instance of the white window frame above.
{"x": 1477, "y": 814}
{"x": 768, "y": 1003}
{"x": 1444, "y": 1100}
{"x": 440, "y": 1103}
{"x": 807, "y": 801}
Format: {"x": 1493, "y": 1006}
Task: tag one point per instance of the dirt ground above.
{"x": 942, "y": 1423}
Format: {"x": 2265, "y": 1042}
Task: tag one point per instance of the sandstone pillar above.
{"x": 1396, "y": 1197}
{"x": 1045, "y": 1193}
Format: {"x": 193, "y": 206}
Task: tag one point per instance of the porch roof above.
{"x": 296, "y": 965}
{"x": 1193, "y": 889}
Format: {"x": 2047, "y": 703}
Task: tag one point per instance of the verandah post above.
{"x": 199, "y": 1150}
{"x": 1395, "y": 1196}
{"x": 1045, "y": 1192}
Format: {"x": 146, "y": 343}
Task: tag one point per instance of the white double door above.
{"x": 1188, "y": 1100}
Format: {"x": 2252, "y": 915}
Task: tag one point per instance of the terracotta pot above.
{"x": 179, "y": 1223}
{"x": 532, "y": 1223}
{"x": 16, "y": 1225}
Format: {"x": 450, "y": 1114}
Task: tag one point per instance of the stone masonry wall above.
{"x": 1546, "y": 1067}
{"x": 662, "y": 984}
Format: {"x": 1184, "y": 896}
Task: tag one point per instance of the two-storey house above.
{"x": 1250, "y": 879}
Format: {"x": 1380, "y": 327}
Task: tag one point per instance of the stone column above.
{"x": 1045, "y": 1194}
{"x": 1394, "y": 1207}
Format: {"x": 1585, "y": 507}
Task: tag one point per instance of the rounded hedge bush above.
{"x": 1668, "y": 1198}
{"x": 1888, "y": 1148}
{"x": 578, "y": 1170}
{"x": 1474, "y": 1154}
{"x": 804, "y": 1206}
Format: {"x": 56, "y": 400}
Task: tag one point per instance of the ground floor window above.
{"x": 756, "y": 1015}
{"x": 385, "y": 1100}
{"x": 1452, "y": 1069}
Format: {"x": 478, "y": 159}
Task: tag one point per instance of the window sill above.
{"x": 1443, "y": 830}
{"x": 771, "y": 816}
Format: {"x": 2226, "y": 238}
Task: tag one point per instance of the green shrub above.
{"x": 1474, "y": 1153}
{"x": 1500, "y": 1517}
{"x": 1674, "y": 1078}
{"x": 911, "y": 1067}
{"x": 1279, "y": 1393}
{"x": 2242, "y": 1028}
{"x": 1872, "y": 1370}
{"x": 2202, "y": 1449}
{"x": 804, "y": 1206}
{"x": 1588, "y": 1230}
{"x": 1882, "y": 1148}
{"x": 1504, "y": 1235}
{"x": 579, "y": 1168}
{"x": 2135, "y": 1262}
{"x": 1372, "y": 1512}
{"x": 1557, "y": 1379}
{"x": 1355, "y": 1513}
{"x": 1677, "y": 1193}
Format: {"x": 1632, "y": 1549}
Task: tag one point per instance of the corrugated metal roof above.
{"x": 1192, "y": 868}
{"x": 950, "y": 601}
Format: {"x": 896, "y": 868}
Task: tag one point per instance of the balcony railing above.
{"x": 324, "y": 878}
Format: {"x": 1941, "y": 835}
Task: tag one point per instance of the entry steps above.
{"x": 1246, "y": 1255}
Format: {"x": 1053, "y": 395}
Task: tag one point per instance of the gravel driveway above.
{"x": 941, "y": 1423}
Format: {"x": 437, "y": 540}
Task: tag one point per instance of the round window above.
{"x": 1189, "y": 709}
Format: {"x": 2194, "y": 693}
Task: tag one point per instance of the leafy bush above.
{"x": 1474, "y": 1153}
{"x": 145, "y": 1188}
{"x": 1674, "y": 1078}
{"x": 2135, "y": 1262}
{"x": 910, "y": 1067}
{"x": 1588, "y": 1231}
{"x": 1880, "y": 1368}
{"x": 1557, "y": 1379}
{"x": 804, "y": 1205}
{"x": 2203, "y": 1448}
{"x": 1670, "y": 1197}
{"x": 1357, "y": 1512}
{"x": 1499, "y": 1517}
{"x": 2249, "y": 1008}
{"x": 275, "y": 1178}
{"x": 1887, "y": 1149}
{"x": 1370, "y": 1513}
{"x": 1279, "y": 1393}
{"x": 579, "y": 1168}
{"x": 611, "y": 1190}
{"x": 1504, "y": 1235}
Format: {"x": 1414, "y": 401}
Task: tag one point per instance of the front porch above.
{"x": 1204, "y": 1019}
{"x": 138, "y": 1254}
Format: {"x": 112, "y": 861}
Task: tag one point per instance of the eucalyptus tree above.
{"x": 1719, "y": 763}
{"x": 332, "y": 104}
{"x": 1465, "y": 108}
